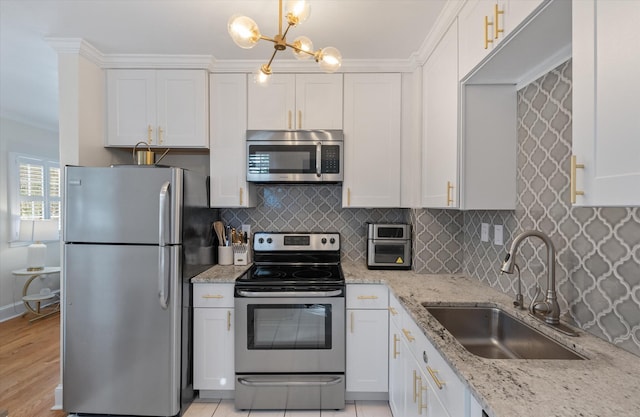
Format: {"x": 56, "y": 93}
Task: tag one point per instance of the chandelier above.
{"x": 245, "y": 33}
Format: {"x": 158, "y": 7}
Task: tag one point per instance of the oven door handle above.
{"x": 290, "y": 294}
{"x": 321, "y": 381}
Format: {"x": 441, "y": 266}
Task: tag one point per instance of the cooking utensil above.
{"x": 218, "y": 226}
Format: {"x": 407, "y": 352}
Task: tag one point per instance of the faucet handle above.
{"x": 538, "y": 305}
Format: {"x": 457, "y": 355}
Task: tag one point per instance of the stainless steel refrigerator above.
{"x": 133, "y": 238}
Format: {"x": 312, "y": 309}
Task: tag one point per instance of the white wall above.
{"x": 19, "y": 137}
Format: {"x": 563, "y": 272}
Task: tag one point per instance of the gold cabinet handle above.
{"x": 396, "y": 339}
{"x": 149, "y": 132}
{"x": 367, "y": 297}
{"x": 241, "y": 192}
{"x": 433, "y": 373}
{"x": 216, "y": 296}
{"x": 299, "y": 119}
{"x": 487, "y": 40}
{"x": 497, "y": 12}
{"x": 160, "y": 140}
{"x": 574, "y": 166}
{"x": 289, "y": 123}
{"x": 348, "y": 197}
{"x": 450, "y": 188}
{"x": 421, "y": 404}
{"x": 229, "y": 320}
{"x": 393, "y": 311}
{"x": 407, "y": 334}
{"x": 415, "y": 385}
{"x": 351, "y": 322}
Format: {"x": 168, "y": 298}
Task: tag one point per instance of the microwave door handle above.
{"x": 319, "y": 159}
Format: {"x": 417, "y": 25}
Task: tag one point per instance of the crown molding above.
{"x": 76, "y": 46}
{"x": 158, "y": 61}
{"x": 446, "y": 17}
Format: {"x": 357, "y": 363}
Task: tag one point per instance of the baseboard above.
{"x": 359, "y": 396}
{"x": 11, "y": 311}
{"x": 216, "y": 394}
{"x": 57, "y": 394}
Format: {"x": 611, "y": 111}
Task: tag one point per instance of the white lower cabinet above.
{"x": 213, "y": 337}
{"x": 421, "y": 383}
{"x": 366, "y": 338}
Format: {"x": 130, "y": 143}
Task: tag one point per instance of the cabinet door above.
{"x": 516, "y": 12}
{"x": 440, "y": 117}
{"x": 371, "y": 140}
{"x": 213, "y": 355}
{"x": 367, "y": 352}
{"x": 182, "y": 106}
{"x": 228, "y": 96}
{"x": 272, "y": 107}
{"x": 473, "y": 32}
{"x": 131, "y": 107}
{"x": 606, "y": 64}
{"x": 397, "y": 353}
{"x": 318, "y": 101}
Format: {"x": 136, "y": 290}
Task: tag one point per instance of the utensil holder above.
{"x": 241, "y": 254}
{"x": 225, "y": 255}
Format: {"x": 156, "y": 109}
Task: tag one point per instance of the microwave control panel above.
{"x": 330, "y": 159}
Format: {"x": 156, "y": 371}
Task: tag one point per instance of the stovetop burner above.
{"x": 264, "y": 275}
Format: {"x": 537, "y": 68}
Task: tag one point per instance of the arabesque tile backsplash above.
{"x": 598, "y": 249}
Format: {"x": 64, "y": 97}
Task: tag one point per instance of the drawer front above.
{"x": 213, "y": 295}
{"x": 396, "y": 311}
{"x": 367, "y": 296}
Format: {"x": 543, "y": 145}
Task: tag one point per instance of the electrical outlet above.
{"x": 246, "y": 228}
{"x": 484, "y": 232}
{"x": 497, "y": 234}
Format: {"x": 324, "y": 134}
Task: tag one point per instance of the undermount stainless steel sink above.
{"x": 491, "y": 333}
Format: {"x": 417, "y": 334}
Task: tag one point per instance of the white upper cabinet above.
{"x": 372, "y": 104}
{"x": 296, "y": 101}
{"x": 485, "y": 23}
{"x": 164, "y": 108}
{"x": 469, "y": 137}
{"x": 229, "y": 187}
{"x": 440, "y": 124}
{"x": 606, "y": 87}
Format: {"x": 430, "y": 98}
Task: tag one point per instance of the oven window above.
{"x": 388, "y": 253}
{"x": 288, "y": 326}
{"x": 281, "y": 159}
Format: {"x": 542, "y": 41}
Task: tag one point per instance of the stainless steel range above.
{"x": 290, "y": 324}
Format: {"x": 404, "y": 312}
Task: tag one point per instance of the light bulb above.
{"x": 297, "y": 11}
{"x": 244, "y": 31}
{"x": 305, "y": 44}
{"x": 262, "y": 76}
{"x": 329, "y": 59}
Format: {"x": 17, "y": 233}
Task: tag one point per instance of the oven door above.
{"x": 294, "y": 161}
{"x": 289, "y": 332}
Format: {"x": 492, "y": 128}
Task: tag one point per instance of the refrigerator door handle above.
{"x": 163, "y": 263}
{"x": 165, "y": 212}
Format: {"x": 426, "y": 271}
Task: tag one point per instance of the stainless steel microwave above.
{"x": 289, "y": 156}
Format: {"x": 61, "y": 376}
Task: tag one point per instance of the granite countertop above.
{"x": 607, "y": 384}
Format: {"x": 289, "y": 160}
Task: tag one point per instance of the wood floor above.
{"x": 30, "y": 371}
{"x": 29, "y": 366}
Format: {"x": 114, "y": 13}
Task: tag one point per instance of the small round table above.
{"x": 37, "y": 298}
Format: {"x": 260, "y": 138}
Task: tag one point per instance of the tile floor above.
{"x": 225, "y": 408}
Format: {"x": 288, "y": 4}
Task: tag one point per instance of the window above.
{"x": 34, "y": 190}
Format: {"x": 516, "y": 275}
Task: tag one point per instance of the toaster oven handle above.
{"x": 291, "y": 294}
{"x": 319, "y": 159}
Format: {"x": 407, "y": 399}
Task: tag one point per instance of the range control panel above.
{"x": 283, "y": 242}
